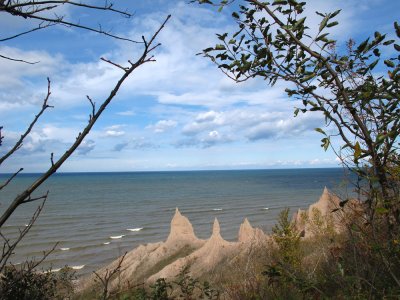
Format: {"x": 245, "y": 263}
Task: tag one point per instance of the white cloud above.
{"x": 114, "y": 131}
{"x": 85, "y": 147}
{"x": 126, "y": 113}
{"x": 249, "y": 123}
{"x": 182, "y": 95}
{"x": 163, "y": 125}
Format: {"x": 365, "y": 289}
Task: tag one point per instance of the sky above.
{"x": 178, "y": 113}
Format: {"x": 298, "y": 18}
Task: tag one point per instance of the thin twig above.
{"x": 19, "y": 60}
{"x": 11, "y": 178}
{"x": 18, "y": 144}
{"x": 8, "y": 248}
{"x": 27, "y": 192}
{"x": 114, "y": 64}
{"x": 26, "y": 32}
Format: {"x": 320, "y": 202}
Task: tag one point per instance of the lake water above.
{"x": 87, "y": 213}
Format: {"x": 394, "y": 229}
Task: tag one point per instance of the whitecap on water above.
{"x": 217, "y": 209}
{"x": 265, "y": 208}
{"x": 64, "y": 249}
{"x": 55, "y": 270}
{"x": 117, "y": 237}
{"x": 106, "y": 243}
{"x": 77, "y": 267}
{"x": 135, "y": 229}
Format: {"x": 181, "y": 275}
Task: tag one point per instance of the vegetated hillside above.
{"x": 299, "y": 254}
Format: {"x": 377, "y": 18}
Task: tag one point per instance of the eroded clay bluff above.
{"x": 327, "y": 214}
{"x": 182, "y": 248}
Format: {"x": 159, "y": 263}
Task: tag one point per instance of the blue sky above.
{"x": 179, "y": 113}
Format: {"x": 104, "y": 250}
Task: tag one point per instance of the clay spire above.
{"x": 216, "y": 228}
{"x": 181, "y": 228}
{"x": 247, "y": 233}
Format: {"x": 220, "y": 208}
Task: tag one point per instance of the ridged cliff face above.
{"x": 326, "y": 215}
{"x": 181, "y": 230}
{"x": 182, "y": 248}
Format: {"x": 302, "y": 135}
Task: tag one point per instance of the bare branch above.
{"x": 33, "y": 264}
{"x": 8, "y": 248}
{"x": 105, "y": 280}
{"x": 19, "y": 60}
{"x": 114, "y": 64}
{"x": 93, "y": 104}
{"x": 27, "y": 192}
{"x": 1, "y": 136}
{"x": 30, "y": 10}
{"x": 18, "y": 144}
{"x": 11, "y": 178}
{"x": 26, "y": 32}
{"x": 108, "y": 7}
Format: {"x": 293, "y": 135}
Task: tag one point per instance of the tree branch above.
{"x": 54, "y": 167}
{"x": 18, "y": 144}
{"x": 11, "y": 178}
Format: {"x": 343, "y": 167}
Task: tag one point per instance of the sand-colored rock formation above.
{"x": 182, "y": 248}
{"x": 326, "y": 215}
{"x": 145, "y": 260}
{"x": 181, "y": 230}
{"x": 248, "y": 234}
{"x": 202, "y": 260}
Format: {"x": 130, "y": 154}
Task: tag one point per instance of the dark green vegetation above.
{"x": 25, "y": 283}
{"x": 360, "y": 106}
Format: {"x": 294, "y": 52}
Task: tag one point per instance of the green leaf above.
{"x": 323, "y": 23}
{"x": 380, "y": 137}
{"x": 308, "y": 77}
{"x": 296, "y": 112}
{"x": 389, "y": 42}
{"x": 235, "y": 15}
{"x": 389, "y": 63}
{"x": 372, "y": 66}
{"x": 299, "y": 23}
{"x": 322, "y": 37}
{"x": 325, "y": 143}
{"x": 381, "y": 210}
{"x": 332, "y": 24}
{"x": 219, "y": 47}
{"x": 222, "y": 36}
{"x": 279, "y": 2}
{"x": 335, "y": 13}
{"x": 397, "y": 47}
{"x": 320, "y": 130}
{"x": 397, "y": 28}
{"x": 357, "y": 151}
{"x": 362, "y": 46}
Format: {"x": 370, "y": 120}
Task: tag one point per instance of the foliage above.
{"x": 183, "y": 287}
{"x": 287, "y": 239}
{"x": 356, "y": 87}
{"x": 186, "y": 283}
{"x": 274, "y": 43}
{"x": 25, "y": 283}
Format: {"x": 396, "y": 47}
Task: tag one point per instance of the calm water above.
{"x": 85, "y": 210}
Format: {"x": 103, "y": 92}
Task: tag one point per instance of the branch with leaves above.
{"x": 274, "y": 43}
